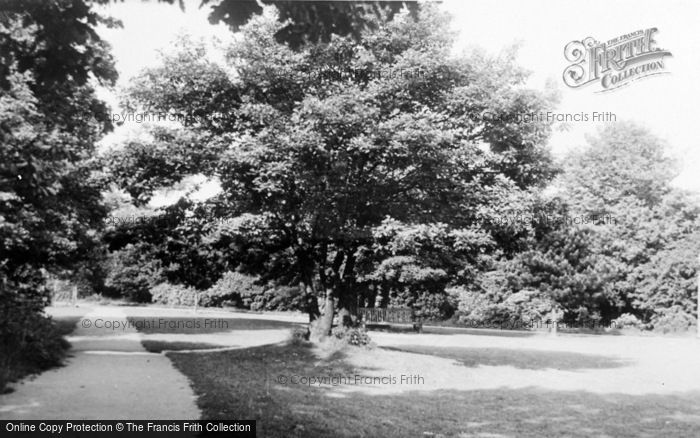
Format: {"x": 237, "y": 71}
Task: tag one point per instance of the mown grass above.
{"x": 245, "y": 384}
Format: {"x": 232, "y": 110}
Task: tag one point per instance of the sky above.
{"x": 665, "y": 104}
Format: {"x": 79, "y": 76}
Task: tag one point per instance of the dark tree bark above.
{"x": 331, "y": 286}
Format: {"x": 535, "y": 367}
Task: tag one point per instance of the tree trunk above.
{"x": 330, "y": 285}
{"x": 326, "y": 322}
{"x": 311, "y": 306}
{"x": 347, "y": 301}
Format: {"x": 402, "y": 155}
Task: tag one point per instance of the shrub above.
{"x": 626, "y": 320}
{"x": 356, "y": 336}
{"x": 300, "y": 335}
{"x": 173, "y": 295}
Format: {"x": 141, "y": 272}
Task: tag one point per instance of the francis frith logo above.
{"x": 614, "y": 63}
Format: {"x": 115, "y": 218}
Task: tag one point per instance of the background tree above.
{"x": 631, "y": 250}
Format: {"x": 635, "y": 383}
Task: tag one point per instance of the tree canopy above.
{"x": 319, "y": 149}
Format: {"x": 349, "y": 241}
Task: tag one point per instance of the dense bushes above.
{"x": 173, "y": 295}
{"x": 29, "y": 341}
{"x": 233, "y": 289}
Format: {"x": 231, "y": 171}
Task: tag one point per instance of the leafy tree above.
{"x": 320, "y": 146}
{"x": 50, "y": 118}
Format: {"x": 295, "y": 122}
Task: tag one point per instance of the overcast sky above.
{"x": 666, "y": 104}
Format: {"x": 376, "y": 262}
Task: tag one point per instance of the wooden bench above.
{"x": 390, "y": 315}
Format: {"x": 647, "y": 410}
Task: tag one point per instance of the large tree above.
{"x": 317, "y": 148}
{"x": 50, "y": 204}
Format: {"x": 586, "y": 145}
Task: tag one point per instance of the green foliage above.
{"x": 133, "y": 272}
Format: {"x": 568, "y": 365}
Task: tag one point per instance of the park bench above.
{"x": 377, "y": 316}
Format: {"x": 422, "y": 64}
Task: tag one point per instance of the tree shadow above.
{"x": 155, "y": 346}
{"x": 200, "y": 324}
{"x": 518, "y": 358}
{"x": 445, "y": 330}
{"x": 254, "y": 384}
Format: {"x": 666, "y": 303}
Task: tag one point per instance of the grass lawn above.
{"x": 244, "y": 384}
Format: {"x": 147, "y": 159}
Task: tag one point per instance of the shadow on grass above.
{"x": 523, "y": 359}
{"x": 153, "y": 346}
{"x": 198, "y": 325}
{"x": 65, "y": 325}
{"x": 447, "y": 330}
{"x": 250, "y": 384}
